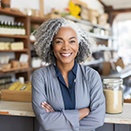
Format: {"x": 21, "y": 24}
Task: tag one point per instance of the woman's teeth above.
{"x": 67, "y": 54}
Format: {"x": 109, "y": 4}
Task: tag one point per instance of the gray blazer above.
{"x": 89, "y": 93}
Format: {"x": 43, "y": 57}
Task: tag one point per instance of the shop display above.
{"x": 14, "y": 42}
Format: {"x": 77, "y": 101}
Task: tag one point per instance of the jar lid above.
{"x": 112, "y": 81}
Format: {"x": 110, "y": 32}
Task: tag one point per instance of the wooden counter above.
{"x": 25, "y": 109}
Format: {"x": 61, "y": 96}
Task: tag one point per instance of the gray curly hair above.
{"x": 44, "y": 38}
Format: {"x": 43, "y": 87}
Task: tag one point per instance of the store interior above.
{"x": 108, "y": 22}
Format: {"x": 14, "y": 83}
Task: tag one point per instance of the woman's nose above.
{"x": 65, "y": 46}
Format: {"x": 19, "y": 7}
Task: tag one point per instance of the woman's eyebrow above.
{"x": 73, "y": 37}
{"x": 58, "y": 38}
{"x": 62, "y": 38}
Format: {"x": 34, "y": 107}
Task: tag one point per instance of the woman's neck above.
{"x": 65, "y": 68}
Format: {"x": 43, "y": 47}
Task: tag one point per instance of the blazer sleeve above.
{"x": 97, "y": 105}
{"x": 64, "y": 120}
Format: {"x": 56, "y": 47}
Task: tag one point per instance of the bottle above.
{"x": 23, "y": 32}
{"x": 16, "y": 31}
{"x": 12, "y": 26}
{"x": 3, "y": 27}
{"x": 113, "y": 91}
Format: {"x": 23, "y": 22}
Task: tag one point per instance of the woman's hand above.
{"x": 83, "y": 113}
{"x": 47, "y": 107}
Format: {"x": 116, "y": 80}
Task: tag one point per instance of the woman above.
{"x": 67, "y": 96}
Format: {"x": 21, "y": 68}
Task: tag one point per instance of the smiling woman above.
{"x": 67, "y": 96}
{"x": 65, "y": 46}
{"x": 45, "y": 35}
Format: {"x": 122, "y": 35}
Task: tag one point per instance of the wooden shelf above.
{"x": 14, "y": 36}
{"x": 24, "y": 50}
{"x": 11, "y": 12}
{"x": 14, "y": 70}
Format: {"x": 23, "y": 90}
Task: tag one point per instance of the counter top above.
{"x": 123, "y": 118}
{"x": 16, "y": 108}
{"x": 25, "y": 109}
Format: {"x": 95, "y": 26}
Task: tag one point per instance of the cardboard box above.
{"x": 93, "y": 17}
{"x": 102, "y": 19}
{"x": 85, "y": 13}
{"x": 18, "y": 96}
{"x": 120, "y": 63}
{"x": 127, "y": 100}
{"x": 106, "y": 68}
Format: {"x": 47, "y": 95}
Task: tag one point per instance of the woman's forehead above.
{"x": 66, "y": 32}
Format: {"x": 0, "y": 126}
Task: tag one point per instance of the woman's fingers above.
{"x": 83, "y": 112}
{"x": 47, "y": 107}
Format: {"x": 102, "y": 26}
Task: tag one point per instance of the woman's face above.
{"x": 65, "y": 45}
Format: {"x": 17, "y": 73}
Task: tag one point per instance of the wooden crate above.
{"x": 13, "y": 95}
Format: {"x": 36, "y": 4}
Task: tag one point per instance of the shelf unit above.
{"x": 28, "y": 22}
{"x": 34, "y": 23}
{"x": 22, "y": 71}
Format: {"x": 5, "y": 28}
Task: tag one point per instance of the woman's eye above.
{"x": 72, "y": 41}
{"x": 58, "y": 42}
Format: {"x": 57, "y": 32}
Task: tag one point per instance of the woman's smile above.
{"x": 66, "y": 54}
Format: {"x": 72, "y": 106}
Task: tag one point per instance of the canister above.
{"x": 113, "y": 91}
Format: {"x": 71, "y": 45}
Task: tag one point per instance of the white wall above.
{"x": 22, "y": 4}
{"x": 34, "y": 4}
{"x": 49, "y": 4}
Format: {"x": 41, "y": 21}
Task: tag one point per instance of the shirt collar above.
{"x": 74, "y": 69}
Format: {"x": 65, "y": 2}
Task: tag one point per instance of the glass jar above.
{"x": 113, "y": 91}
